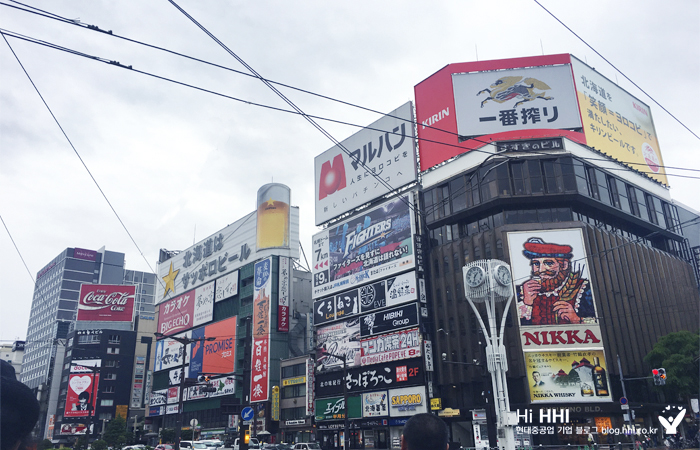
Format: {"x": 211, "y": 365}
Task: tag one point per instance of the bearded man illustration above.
{"x": 555, "y": 293}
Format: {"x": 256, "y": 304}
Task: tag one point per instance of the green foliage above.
{"x": 678, "y": 354}
{"x": 167, "y": 435}
{"x": 43, "y": 445}
{"x": 99, "y": 445}
{"x": 186, "y": 435}
{"x": 81, "y": 443}
{"x": 116, "y": 435}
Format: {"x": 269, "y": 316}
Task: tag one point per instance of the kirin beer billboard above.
{"x": 106, "y": 302}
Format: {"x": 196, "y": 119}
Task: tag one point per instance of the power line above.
{"x": 17, "y": 248}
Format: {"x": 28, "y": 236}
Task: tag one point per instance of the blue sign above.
{"x": 247, "y": 413}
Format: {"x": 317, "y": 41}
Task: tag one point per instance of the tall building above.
{"x": 544, "y": 163}
{"x": 54, "y": 309}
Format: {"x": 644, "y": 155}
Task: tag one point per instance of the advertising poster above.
{"x": 285, "y": 285}
{"x": 577, "y": 376}
{"x": 375, "y": 404}
{"x": 334, "y": 408}
{"x": 407, "y": 372}
{"x": 105, "y": 302}
{"x": 83, "y": 383}
{"x": 386, "y": 148}
{"x": 259, "y": 383}
{"x": 226, "y": 286}
{"x": 341, "y": 339}
{"x": 617, "y": 123}
{"x": 515, "y": 99}
{"x": 223, "y": 386}
{"x": 385, "y": 293}
{"x": 196, "y": 354}
{"x": 169, "y": 353}
{"x": 203, "y": 304}
{"x": 407, "y": 401}
{"x": 389, "y": 320}
{"x": 310, "y": 387}
{"x": 365, "y": 248}
{"x": 176, "y": 315}
{"x": 159, "y": 398}
{"x": 219, "y": 356}
{"x": 390, "y": 347}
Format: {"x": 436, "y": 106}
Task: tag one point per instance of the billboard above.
{"x": 408, "y": 372}
{"x": 370, "y": 246}
{"x": 466, "y": 106}
{"x": 395, "y": 346}
{"x": 169, "y": 353}
{"x": 226, "y": 286}
{"x": 285, "y": 286}
{"x": 217, "y": 356}
{"x": 177, "y": 314}
{"x": 223, "y": 386}
{"x": 572, "y": 376}
{"x": 334, "y": 408}
{"x": 375, "y": 404}
{"x": 219, "y": 254}
{"x": 404, "y": 316}
{"x": 82, "y": 388}
{"x": 106, "y": 302}
{"x": 260, "y": 370}
{"x": 515, "y": 99}
{"x": 617, "y": 123}
{"x": 385, "y": 150}
{"x": 558, "y": 323}
{"x": 389, "y": 292}
{"x": 340, "y": 339}
{"x": 407, "y": 401}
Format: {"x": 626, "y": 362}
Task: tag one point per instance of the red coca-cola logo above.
{"x": 95, "y": 300}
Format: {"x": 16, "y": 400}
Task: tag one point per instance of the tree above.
{"x": 116, "y": 434}
{"x": 45, "y": 444}
{"x": 167, "y": 435}
{"x": 81, "y": 443}
{"x": 187, "y": 435}
{"x": 99, "y": 445}
{"x": 678, "y": 354}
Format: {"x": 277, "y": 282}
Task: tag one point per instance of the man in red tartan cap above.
{"x": 554, "y": 294}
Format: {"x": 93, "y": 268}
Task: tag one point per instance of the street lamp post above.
{"x": 346, "y": 425}
{"x": 185, "y": 342}
{"x": 490, "y": 281}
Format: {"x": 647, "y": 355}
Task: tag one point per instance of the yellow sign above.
{"x": 293, "y": 381}
{"x": 435, "y": 404}
{"x": 603, "y": 423}
{"x": 122, "y": 410}
{"x": 448, "y": 412}
{"x": 275, "y": 403}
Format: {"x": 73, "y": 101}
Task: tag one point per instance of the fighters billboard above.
{"x": 369, "y": 246}
{"x": 379, "y": 159}
{"x": 106, "y": 302}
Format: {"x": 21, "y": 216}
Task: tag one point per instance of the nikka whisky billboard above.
{"x": 558, "y": 323}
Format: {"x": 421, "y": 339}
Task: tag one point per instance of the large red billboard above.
{"x": 106, "y": 302}
{"x": 438, "y": 134}
{"x": 218, "y": 356}
{"x": 176, "y": 315}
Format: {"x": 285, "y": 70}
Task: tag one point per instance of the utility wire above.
{"x": 618, "y": 70}
{"x": 53, "y": 16}
{"x": 17, "y": 248}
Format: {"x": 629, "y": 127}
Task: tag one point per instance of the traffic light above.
{"x": 662, "y": 376}
{"x": 246, "y": 437}
{"x": 203, "y": 378}
{"x": 657, "y": 378}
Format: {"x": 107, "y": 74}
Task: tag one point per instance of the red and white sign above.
{"x": 391, "y": 347}
{"x": 260, "y": 373}
{"x": 82, "y": 387}
{"x": 260, "y": 370}
{"x": 106, "y": 302}
{"x": 176, "y": 315}
{"x": 285, "y": 284}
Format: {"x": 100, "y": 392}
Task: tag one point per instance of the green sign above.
{"x": 334, "y": 408}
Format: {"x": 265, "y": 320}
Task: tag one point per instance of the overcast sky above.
{"x": 178, "y": 164}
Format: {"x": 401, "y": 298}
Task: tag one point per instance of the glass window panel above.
{"x": 535, "y": 177}
{"x": 528, "y": 216}
{"x": 459, "y": 196}
{"x": 518, "y": 177}
{"x": 544, "y": 215}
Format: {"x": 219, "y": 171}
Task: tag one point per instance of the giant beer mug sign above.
{"x": 273, "y": 216}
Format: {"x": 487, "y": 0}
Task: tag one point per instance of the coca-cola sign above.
{"x": 106, "y": 302}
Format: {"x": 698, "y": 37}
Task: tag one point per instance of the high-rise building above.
{"x": 54, "y": 310}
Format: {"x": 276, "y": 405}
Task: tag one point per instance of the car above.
{"x": 212, "y": 444}
{"x": 254, "y": 443}
{"x": 165, "y": 447}
{"x": 196, "y": 445}
{"x": 134, "y": 447}
{"x": 307, "y": 446}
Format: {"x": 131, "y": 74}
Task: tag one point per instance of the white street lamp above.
{"x": 489, "y": 281}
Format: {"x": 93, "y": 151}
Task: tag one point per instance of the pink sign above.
{"x": 106, "y": 302}
{"x": 260, "y": 371}
{"x": 80, "y": 398}
{"x": 176, "y": 315}
{"x": 81, "y": 253}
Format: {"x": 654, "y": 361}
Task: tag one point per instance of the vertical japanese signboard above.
{"x": 285, "y": 284}
{"x": 260, "y": 370}
{"x": 309, "y": 387}
{"x": 82, "y": 387}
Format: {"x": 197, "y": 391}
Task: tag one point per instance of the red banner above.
{"x": 176, "y": 315}
{"x": 80, "y": 398}
{"x": 106, "y": 302}
{"x": 220, "y": 355}
{"x": 259, "y": 378}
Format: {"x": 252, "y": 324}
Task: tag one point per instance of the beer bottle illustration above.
{"x": 600, "y": 381}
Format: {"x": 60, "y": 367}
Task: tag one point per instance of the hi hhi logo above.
{"x": 547, "y": 415}
{"x": 670, "y": 424}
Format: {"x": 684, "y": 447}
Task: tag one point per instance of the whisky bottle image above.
{"x": 600, "y": 381}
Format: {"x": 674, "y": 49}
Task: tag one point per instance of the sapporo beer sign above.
{"x": 370, "y": 246}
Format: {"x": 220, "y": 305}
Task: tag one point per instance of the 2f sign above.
{"x": 332, "y": 177}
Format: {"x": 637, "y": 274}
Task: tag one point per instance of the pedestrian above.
{"x": 425, "y": 432}
{"x": 19, "y": 409}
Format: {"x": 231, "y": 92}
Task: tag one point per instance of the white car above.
{"x": 307, "y": 446}
{"x": 254, "y": 443}
{"x": 212, "y": 444}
